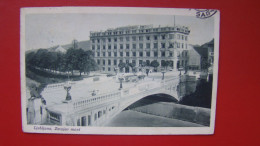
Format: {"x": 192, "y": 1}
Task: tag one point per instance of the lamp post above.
{"x": 121, "y": 82}
{"x": 67, "y": 88}
{"x": 163, "y": 72}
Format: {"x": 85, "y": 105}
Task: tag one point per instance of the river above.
{"x": 129, "y": 118}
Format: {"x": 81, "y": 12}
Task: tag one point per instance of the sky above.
{"x": 48, "y": 30}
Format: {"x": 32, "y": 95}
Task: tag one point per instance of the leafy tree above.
{"x": 132, "y": 65}
{"x": 71, "y": 60}
{"x": 121, "y": 65}
{"x": 155, "y": 64}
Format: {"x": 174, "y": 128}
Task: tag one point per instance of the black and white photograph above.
{"x": 105, "y": 70}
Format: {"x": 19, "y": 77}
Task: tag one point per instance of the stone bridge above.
{"x": 95, "y": 110}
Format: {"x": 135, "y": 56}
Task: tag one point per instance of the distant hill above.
{"x": 85, "y": 45}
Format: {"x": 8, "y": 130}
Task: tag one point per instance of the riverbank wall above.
{"x": 173, "y": 110}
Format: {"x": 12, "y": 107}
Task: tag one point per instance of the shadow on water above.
{"x": 152, "y": 99}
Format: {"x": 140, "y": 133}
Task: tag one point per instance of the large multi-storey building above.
{"x": 139, "y": 44}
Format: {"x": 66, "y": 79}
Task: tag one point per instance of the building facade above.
{"x": 139, "y": 45}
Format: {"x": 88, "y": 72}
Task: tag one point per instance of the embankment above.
{"x": 172, "y": 110}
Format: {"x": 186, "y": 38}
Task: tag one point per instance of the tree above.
{"x": 71, "y": 60}
{"x": 155, "y": 64}
{"x": 165, "y": 64}
{"x": 121, "y": 65}
{"x": 132, "y": 65}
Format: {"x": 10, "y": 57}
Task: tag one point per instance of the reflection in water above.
{"x": 187, "y": 85}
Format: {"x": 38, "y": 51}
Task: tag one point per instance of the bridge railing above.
{"x": 92, "y": 101}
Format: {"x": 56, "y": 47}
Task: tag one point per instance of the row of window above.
{"x": 127, "y": 54}
{"x": 140, "y": 38}
{"x": 115, "y": 62}
{"x": 141, "y": 46}
{"x": 110, "y": 32}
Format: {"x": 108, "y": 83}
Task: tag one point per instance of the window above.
{"x": 115, "y": 46}
{"x": 155, "y": 37}
{"x": 178, "y": 36}
{"x": 121, "y": 39}
{"x": 162, "y": 45}
{"x": 127, "y": 46}
{"x": 182, "y": 46}
{"x": 141, "y": 54}
{"x": 121, "y": 46}
{"x": 115, "y": 62}
{"x": 155, "y": 45}
{"x": 178, "y": 45}
{"x": 186, "y": 38}
{"x": 134, "y": 54}
{"x": 171, "y": 45}
{"x": 108, "y": 69}
{"x": 140, "y": 46}
{"x": 104, "y": 62}
{"x": 127, "y": 38}
{"x": 104, "y": 54}
{"x": 182, "y": 37}
{"x": 104, "y": 40}
{"x": 98, "y": 47}
{"x": 93, "y": 47}
{"x": 109, "y": 39}
{"x": 163, "y": 37}
{"x": 140, "y": 38}
{"x": 121, "y": 54}
{"x": 155, "y": 54}
{"x": 134, "y": 46}
{"x": 147, "y": 37}
{"x": 98, "y": 40}
{"x": 104, "y": 46}
{"x": 133, "y": 31}
{"x": 115, "y": 54}
{"x": 148, "y": 45}
{"x": 171, "y": 54}
{"x": 134, "y": 38}
{"x": 115, "y": 39}
{"x": 109, "y": 47}
{"x": 148, "y": 54}
{"x": 171, "y": 36}
{"x": 93, "y": 41}
{"x": 98, "y": 62}
{"x": 127, "y": 54}
{"x": 98, "y": 54}
{"x": 109, "y": 62}
{"x": 109, "y": 54}
{"x": 140, "y": 62}
{"x": 163, "y": 54}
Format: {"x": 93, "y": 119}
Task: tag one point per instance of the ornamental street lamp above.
{"x": 163, "y": 72}
{"x": 67, "y": 88}
{"x": 121, "y": 81}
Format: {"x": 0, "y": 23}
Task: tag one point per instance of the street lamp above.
{"x": 163, "y": 72}
{"x": 121, "y": 81}
{"x": 67, "y": 88}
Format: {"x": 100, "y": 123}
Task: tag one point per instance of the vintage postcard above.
{"x": 119, "y": 70}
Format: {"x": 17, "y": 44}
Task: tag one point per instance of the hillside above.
{"x": 85, "y": 45}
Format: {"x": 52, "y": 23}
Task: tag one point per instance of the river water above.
{"x": 129, "y": 118}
